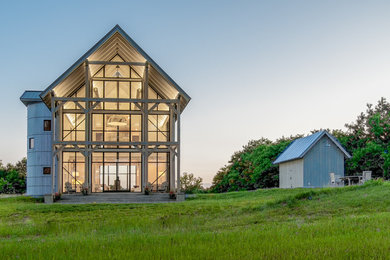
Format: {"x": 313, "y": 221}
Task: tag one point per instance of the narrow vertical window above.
{"x": 47, "y": 125}
{"x": 31, "y": 143}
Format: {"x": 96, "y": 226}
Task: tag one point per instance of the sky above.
{"x": 252, "y": 68}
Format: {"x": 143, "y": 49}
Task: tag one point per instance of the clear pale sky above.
{"x": 253, "y": 68}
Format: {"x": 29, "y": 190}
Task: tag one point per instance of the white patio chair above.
{"x": 332, "y": 179}
{"x": 366, "y": 176}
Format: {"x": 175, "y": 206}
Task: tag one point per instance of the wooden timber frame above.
{"x": 87, "y": 147}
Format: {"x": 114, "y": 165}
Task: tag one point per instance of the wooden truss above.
{"x": 88, "y": 146}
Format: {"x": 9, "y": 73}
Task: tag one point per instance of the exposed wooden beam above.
{"x": 131, "y": 100}
{"x": 98, "y": 62}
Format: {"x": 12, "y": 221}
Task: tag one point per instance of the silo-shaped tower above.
{"x": 39, "y": 145}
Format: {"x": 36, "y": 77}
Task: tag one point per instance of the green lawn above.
{"x": 351, "y": 222}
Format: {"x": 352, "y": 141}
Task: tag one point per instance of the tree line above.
{"x": 367, "y": 139}
{"x": 13, "y": 177}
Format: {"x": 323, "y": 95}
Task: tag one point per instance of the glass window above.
{"x": 46, "y": 170}
{"x": 97, "y": 90}
{"x": 31, "y": 143}
{"x": 46, "y": 125}
{"x": 136, "y": 90}
{"x": 73, "y": 171}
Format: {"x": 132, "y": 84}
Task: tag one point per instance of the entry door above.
{"x": 116, "y": 177}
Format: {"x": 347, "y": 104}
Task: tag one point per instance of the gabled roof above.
{"x": 157, "y": 74}
{"x": 30, "y": 96}
{"x": 299, "y": 147}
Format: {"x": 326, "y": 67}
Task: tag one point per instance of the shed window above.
{"x": 31, "y": 143}
{"x": 46, "y": 170}
{"x": 47, "y": 125}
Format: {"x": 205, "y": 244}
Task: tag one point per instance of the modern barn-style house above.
{"x": 111, "y": 122}
{"x": 313, "y": 161}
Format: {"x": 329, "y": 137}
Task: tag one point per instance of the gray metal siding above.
{"x": 322, "y": 159}
{"x": 38, "y": 184}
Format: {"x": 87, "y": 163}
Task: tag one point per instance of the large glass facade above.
{"x": 115, "y": 167}
{"x": 116, "y": 171}
{"x": 116, "y": 128}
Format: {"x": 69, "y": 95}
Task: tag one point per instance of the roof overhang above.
{"x": 115, "y": 42}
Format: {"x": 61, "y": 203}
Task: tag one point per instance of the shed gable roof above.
{"x": 118, "y": 37}
{"x": 299, "y": 147}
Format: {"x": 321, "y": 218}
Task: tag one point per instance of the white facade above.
{"x": 291, "y": 174}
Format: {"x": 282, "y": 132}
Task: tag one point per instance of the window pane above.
{"x": 47, "y": 125}
{"x": 135, "y": 157}
{"x": 110, "y": 137}
{"x": 136, "y": 122}
{"x": 97, "y": 122}
{"x": 162, "y": 137}
{"x": 152, "y": 136}
{"x": 97, "y": 136}
{"x": 124, "y": 89}
{"x": 97, "y": 91}
{"x": 152, "y": 94}
{"x": 136, "y": 90}
{"x": 97, "y": 157}
{"x": 80, "y": 122}
{"x": 152, "y": 123}
{"x": 68, "y": 121}
{"x": 110, "y": 157}
{"x": 136, "y": 136}
{"x": 80, "y": 135}
{"x": 124, "y": 137}
{"x": 124, "y": 157}
{"x": 111, "y": 89}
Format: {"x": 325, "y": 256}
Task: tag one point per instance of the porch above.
{"x": 115, "y": 198}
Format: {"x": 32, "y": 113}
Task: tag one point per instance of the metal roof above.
{"x": 299, "y": 147}
{"x": 30, "y": 96}
{"x": 104, "y": 49}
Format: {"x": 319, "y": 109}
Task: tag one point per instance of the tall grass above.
{"x": 350, "y": 222}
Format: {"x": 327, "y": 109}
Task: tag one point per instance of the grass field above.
{"x": 351, "y": 222}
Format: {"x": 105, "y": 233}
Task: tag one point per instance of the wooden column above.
{"x": 145, "y": 152}
{"x": 53, "y": 139}
{"x": 87, "y": 153}
{"x": 59, "y": 155}
{"x": 178, "y": 147}
{"x": 171, "y": 150}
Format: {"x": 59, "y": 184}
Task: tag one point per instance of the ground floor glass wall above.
{"x": 73, "y": 171}
{"x": 158, "y": 168}
{"x": 116, "y": 171}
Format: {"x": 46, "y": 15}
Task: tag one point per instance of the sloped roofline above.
{"x": 114, "y": 30}
{"x": 314, "y": 142}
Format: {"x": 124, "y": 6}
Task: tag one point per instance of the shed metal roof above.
{"x": 30, "y": 96}
{"x": 299, "y": 147}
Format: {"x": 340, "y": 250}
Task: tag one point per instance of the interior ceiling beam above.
{"x": 117, "y": 79}
{"x": 96, "y": 62}
{"x": 131, "y": 100}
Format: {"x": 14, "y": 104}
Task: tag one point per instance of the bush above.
{"x": 190, "y": 184}
{"x": 13, "y": 177}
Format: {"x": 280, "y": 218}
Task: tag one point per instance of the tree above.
{"x": 190, "y": 184}
{"x": 252, "y": 167}
{"x": 368, "y": 138}
{"x": 13, "y": 177}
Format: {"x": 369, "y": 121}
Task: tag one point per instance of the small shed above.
{"x": 312, "y": 161}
